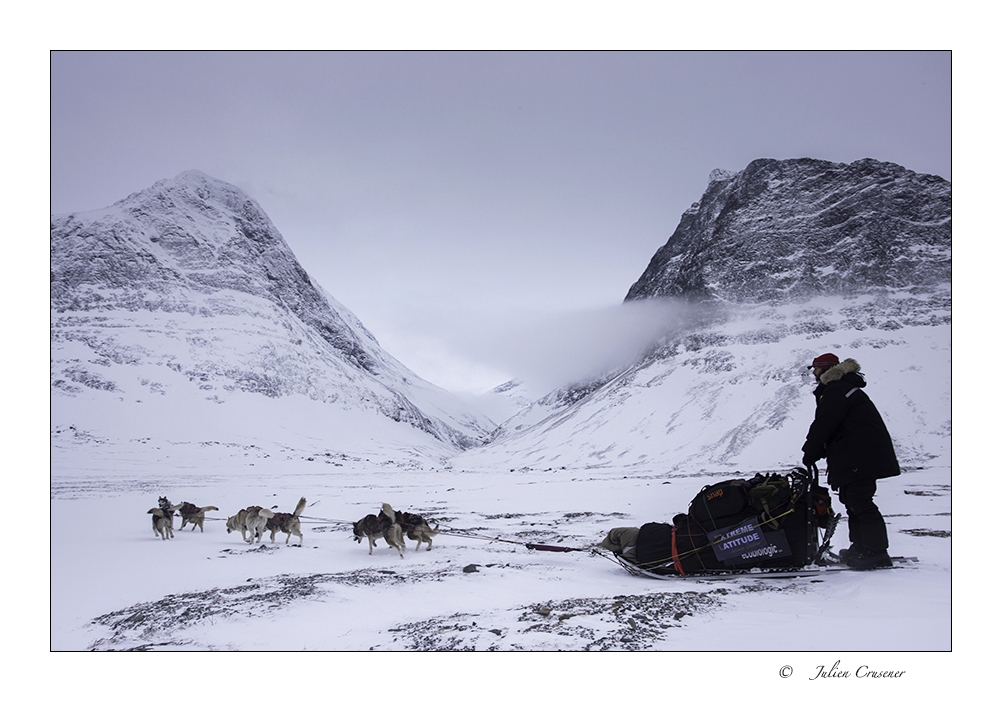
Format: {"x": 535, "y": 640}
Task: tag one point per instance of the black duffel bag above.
{"x": 722, "y": 504}
{"x": 653, "y": 550}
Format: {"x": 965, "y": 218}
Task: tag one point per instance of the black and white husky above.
{"x": 168, "y": 509}
{"x": 162, "y": 524}
{"x": 373, "y": 527}
{"x": 287, "y": 523}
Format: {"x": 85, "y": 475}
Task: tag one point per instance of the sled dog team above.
{"x": 252, "y": 522}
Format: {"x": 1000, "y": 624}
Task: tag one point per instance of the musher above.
{"x": 849, "y": 432}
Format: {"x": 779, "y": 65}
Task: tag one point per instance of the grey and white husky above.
{"x": 251, "y": 520}
{"x": 190, "y": 514}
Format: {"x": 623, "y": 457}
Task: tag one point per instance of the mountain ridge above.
{"x": 793, "y": 229}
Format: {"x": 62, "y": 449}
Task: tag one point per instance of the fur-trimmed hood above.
{"x": 849, "y": 365}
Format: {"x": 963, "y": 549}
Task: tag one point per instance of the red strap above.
{"x": 677, "y": 562}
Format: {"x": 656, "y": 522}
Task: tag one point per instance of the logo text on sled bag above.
{"x": 746, "y": 543}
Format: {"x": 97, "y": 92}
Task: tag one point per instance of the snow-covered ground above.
{"x": 117, "y": 586}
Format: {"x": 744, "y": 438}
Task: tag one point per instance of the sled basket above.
{"x": 767, "y": 523}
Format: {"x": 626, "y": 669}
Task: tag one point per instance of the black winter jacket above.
{"x": 848, "y": 430}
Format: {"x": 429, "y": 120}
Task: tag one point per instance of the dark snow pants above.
{"x": 866, "y": 525}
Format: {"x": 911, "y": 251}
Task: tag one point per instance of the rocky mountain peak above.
{"x": 794, "y": 229}
{"x": 177, "y": 244}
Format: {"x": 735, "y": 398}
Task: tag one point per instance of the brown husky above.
{"x": 190, "y": 514}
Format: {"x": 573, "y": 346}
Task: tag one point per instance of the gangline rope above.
{"x": 442, "y": 532}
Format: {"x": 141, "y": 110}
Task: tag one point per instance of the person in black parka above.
{"x": 849, "y": 432}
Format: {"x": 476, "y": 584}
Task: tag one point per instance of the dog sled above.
{"x": 772, "y": 525}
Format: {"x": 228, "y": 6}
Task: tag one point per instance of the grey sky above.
{"x": 459, "y": 202}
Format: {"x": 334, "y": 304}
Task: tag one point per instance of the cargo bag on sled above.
{"x": 769, "y": 521}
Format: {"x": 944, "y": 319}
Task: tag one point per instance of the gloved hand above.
{"x": 807, "y": 461}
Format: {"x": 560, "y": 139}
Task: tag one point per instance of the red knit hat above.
{"x": 825, "y": 360}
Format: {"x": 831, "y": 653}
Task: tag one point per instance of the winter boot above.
{"x": 859, "y": 558}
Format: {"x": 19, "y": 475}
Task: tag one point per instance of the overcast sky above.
{"x": 480, "y": 210}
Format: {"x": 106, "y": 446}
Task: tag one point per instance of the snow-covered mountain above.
{"x": 183, "y": 302}
{"x": 778, "y": 264}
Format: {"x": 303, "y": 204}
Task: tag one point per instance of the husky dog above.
{"x": 381, "y": 527}
{"x": 168, "y": 509}
{"x": 287, "y": 523}
{"x": 190, "y": 514}
{"x": 413, "y": 525}
{"x": 162, "y": 526}
{"x": 252, "y": 520}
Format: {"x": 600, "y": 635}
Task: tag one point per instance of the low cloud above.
{"x": 546, "y": 350}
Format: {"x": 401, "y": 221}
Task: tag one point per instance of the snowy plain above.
{"x": 117, "y": 586}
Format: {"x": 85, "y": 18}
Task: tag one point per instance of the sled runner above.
{"x": 766, "y": 526}
{"x": 811, "y": 571}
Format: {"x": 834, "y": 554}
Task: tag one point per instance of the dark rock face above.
{"x": 791, "y": 230}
